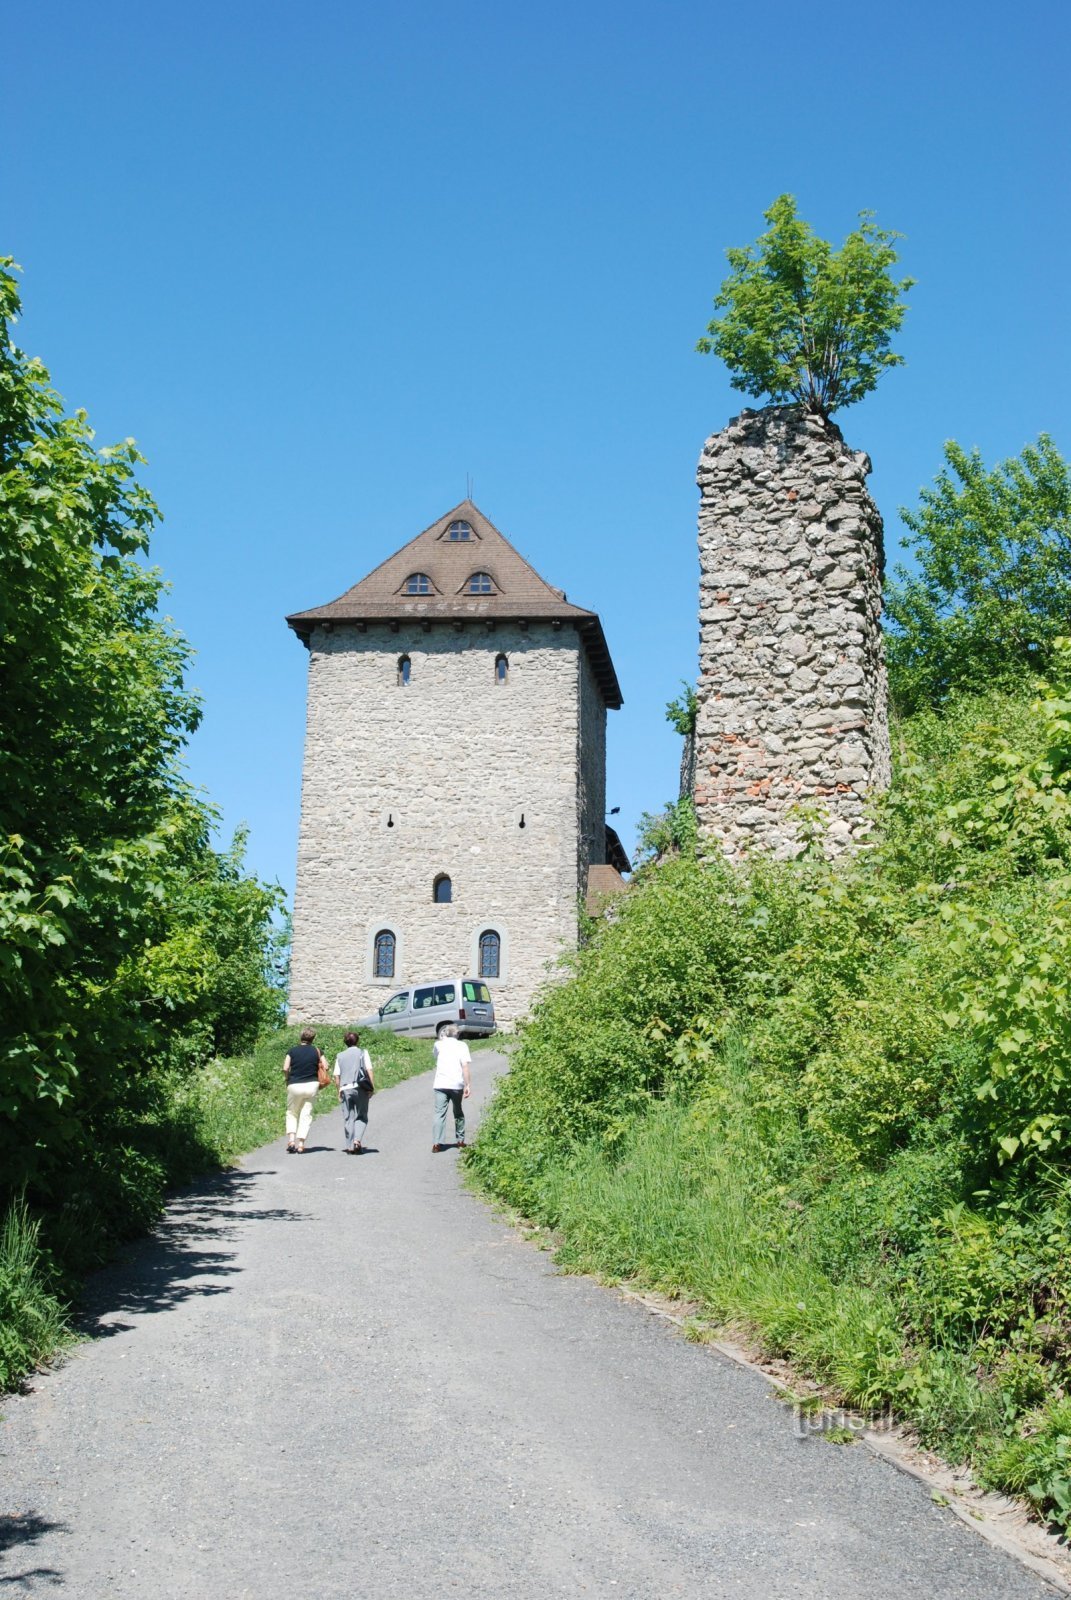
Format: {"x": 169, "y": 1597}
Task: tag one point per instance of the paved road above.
{"x": 331, "y": 1376}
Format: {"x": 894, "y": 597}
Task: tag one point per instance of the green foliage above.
{"x": 130, "y": 949}
{"x": 681, "y": 712}
{"x": 1035, "y": 1461}
{"x": 673, "y": 831}
{"x": 32, "y": 1321}
{"x": 993, "y": 587}
{"x": 236, "y": 1103}
{"x": 806, "y": 322}
{"x": 199, "y": 1118}
{"x": 832, "y": 1101}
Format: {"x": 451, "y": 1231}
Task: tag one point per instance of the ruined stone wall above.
{"x": 792, "y": 701}
{"x": 402, "y": 782}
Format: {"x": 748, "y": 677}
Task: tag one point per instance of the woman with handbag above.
{"x": 305, "y": 1071}
{"x": 356, "y": 1086}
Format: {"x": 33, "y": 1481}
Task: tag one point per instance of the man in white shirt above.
{"x": 452, "y": 1084}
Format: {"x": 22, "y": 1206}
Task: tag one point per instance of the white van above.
{"x": 424, "y": 1009}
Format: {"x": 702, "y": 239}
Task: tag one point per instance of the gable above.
{"x": 431, "y": 578}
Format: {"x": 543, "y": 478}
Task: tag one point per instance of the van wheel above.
{"x": 441, "y": 1029}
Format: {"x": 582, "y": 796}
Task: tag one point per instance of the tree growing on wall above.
{"x": 804, "y": 322}
{"x": 992, "y": 590}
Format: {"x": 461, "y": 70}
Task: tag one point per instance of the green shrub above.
{"x": 32, "y": 1321}
{"x": 1035, "y": 1460}
{"x": 830, "y": 1101}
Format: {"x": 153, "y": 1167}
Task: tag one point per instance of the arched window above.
{"x": 459, "y": 532}
{"x": 490, "y": 953}
{"x": 480, "y": 583}
{"x": 418, "y": 583}
{"x": 442, "y": 890}
{"x": 501, "y": 669}
{"x": 405, "y": 666}
{"x": 383, "y": 960}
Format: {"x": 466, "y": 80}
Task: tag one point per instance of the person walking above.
{"x": 301, "y": 1069}
{"x": 452, "y": 1083}
{"x": 356, "y": 1086}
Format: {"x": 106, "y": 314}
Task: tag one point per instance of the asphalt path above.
{"x": 336, "y": 1376}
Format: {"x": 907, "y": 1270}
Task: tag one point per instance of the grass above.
{"x": 33, "y": 1322}
{"x": 204, "y": 1120}
{"x": 694, "y": 1207}
{"x": 238, "y": 1104}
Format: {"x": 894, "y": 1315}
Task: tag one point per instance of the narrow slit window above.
{"x": 490, "y": 953}
{"x": 405, "y": 667}
{"x": 442, "y": 890}
{"x": 480, "y": 583}
{"x": 383, "y": 964}
{"x": 501, "y": 669}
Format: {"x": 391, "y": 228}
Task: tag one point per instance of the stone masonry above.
{"x": 792, "y": 701}
{"x": 484, "y": 761}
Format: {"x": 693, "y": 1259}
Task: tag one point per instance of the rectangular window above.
{"x": 423, "y": 998}
{"x": 445, "y": 995}
{"x": 476, "y": 991}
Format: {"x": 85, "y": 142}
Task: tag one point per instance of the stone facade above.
{"x": 491, "y": 776}
{"x": 792, "y": 700}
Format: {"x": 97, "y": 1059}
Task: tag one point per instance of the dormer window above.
{"x": 480, "y": 583}
{"x": 459, "y": 532}
{"x": 418, "y": 583}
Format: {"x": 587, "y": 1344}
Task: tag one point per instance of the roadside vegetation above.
{"x": 202, "y": 1116}
{"x": 831, "y": 1101}
{"x": 140, "y": 962}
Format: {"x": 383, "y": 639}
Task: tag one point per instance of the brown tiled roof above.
{"x": 605, "y": 883}
{"x": 517, "y": 591}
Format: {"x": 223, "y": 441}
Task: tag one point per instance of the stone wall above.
{"x": 403, "y": 782}
{"x": 792, "y": 702}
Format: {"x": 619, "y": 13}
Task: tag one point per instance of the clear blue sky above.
{"x": 324, "y": 260}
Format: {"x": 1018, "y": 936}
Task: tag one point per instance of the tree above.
{"x": 123, "y": 935}
{"x": 681, "y": 711}
{"x": 805, "y": 322}
{"x": 993, "y": 587}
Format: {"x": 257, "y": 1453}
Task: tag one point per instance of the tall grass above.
{"x": 695, "y": 1207}
{"x": 33, "y": 1324}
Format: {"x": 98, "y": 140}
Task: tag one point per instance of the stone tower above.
{"x": 791, "y": 701}
{"x": 454, "y": 789}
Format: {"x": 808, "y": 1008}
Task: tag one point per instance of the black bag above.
{"x": 362, "y": 1080}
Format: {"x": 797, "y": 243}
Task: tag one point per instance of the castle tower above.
{"x": 792, "y": 699}
{"x": 454, "y": 789}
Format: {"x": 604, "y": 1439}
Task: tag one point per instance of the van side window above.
{"x": 396, "y": 1003}
{"x": 445, "y": 995}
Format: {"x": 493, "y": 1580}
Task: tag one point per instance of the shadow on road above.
{"x": 184, "y": 1256}
{"x": 16, "y": 1531}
